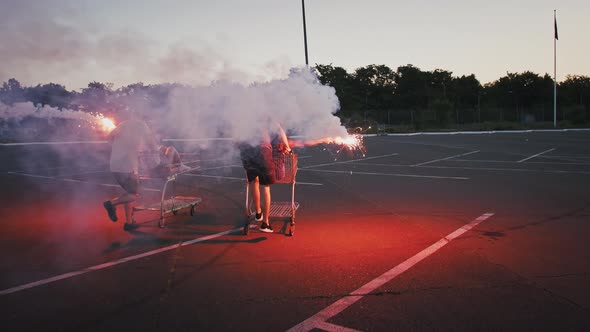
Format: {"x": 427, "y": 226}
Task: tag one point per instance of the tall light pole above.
{"x": 555, "y": 38}
{"x": 304, "y": 32}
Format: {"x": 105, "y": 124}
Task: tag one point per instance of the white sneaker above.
{"x": 266, "y": 228}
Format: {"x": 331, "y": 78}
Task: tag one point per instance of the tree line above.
{"x": 96, "y": 97}
{"x": 436, "y": 98}
{"x": 371, "y": 94}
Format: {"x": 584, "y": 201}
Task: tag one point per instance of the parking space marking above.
{"x": 536, "y": 155}
{"x": 113, "y": 263}
{"x": 318, "y": 320}
{"x": 478, "y": 168}
{"x": 565, "y": 157}
{"x": 83, "y": 173}
{"x": 386, "y": 174}
{"x": 513, "y": 162}
{"x": 349, "y": 161}
{"x": 244, "y": 178}
{"x": 52, "y": 143}
{"x": 75, "y": 181}
{"x": 447, "y": 158}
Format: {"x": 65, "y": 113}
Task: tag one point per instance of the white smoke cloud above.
{"x": 300, "y": 103}
{"x": 19, "y": 111}
{"x": 78, "y": 125}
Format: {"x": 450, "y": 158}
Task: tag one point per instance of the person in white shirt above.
{"x": 128, "y": 140}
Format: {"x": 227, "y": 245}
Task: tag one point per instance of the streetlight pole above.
{"x": 304, "y": 33}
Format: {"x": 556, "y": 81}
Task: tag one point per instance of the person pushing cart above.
{"x": 264, "y": 163}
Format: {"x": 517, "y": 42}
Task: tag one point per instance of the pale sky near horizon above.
{"x": 126, "y": 41}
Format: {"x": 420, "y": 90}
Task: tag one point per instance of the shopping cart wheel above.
{"x": 292, "y": 230}
{"x": 246, "y": 227}
{"x": 192, "y": 210}
{"x": 162, "y": 222}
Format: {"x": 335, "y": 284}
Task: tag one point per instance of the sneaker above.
{"x": 130, "y": 226}
{"x": 111, "y": 210}
{"x": 264, "y": 227}
{"x": 258, "y": 216}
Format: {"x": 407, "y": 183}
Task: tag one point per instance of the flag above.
{"x": 555, "y": 20}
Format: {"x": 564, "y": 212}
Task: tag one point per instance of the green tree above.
{"x": 517, "y": 94}
{"x": 96, "y": 98}
{"x": 51, "y": 94}
{"x": 376, "y": 86}
{"x": 574, "y": 95}
{"x": 467, "y": 95}
{"x": 12, "y": 92}
{"x": 410, "y": 88}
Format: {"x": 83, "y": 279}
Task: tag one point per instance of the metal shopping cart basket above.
{"x": 285, "y": 173}
{"x": 170, "y": 203}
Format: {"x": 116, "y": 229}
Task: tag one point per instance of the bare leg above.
{"x": 266, "y": 204}
{"x": 128, "y": 213}
{"x": 126, "y": 199}
{"x": 256, "y": 194}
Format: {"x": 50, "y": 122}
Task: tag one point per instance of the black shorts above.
{"x": 128, "y": 181}
{"x": 258, "y": 162}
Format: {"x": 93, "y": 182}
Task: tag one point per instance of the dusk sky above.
{"x": 74, "y": 42}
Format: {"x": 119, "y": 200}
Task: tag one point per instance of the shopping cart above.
{"x": 285, "y": 173}
{"x": 170, "y": 203}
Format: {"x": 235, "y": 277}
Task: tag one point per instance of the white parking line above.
{"x": 447, "y": 158}
{"x": 536, "y": 155}
{"x": 215, "y": 176}
{"x": 479, "y": 168}
{"x": 82, "y": 173}
{"x": 386, "y": 174}
{"x": 53, "y": 143}
{"x": 318, "y": 320}
{"x": 113, "y": 263}
{"x": 244, "y": 178}
{"x": 218, "y": 167}
{"x": 513, "y": 162}
{"x": 349, "y": 161}
{"x": 75, "y": 181}
{"x": 566, "y": 157}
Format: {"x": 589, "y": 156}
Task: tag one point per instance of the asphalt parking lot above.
{"x": 426, "y": 232}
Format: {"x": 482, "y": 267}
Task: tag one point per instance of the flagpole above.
{"x": 555, "y": 70}
{"x": 304, "y": 33}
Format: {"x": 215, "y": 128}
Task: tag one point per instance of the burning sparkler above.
{"x": 101, "y": 123}
{"x": 106, "y": 124}
{"x": 351, "y": 143}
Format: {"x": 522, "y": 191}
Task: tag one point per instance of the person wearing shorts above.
{"x": 258, "y": 162}
{"x": 128, "y": 181}
{"x": 127, "y": 140}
